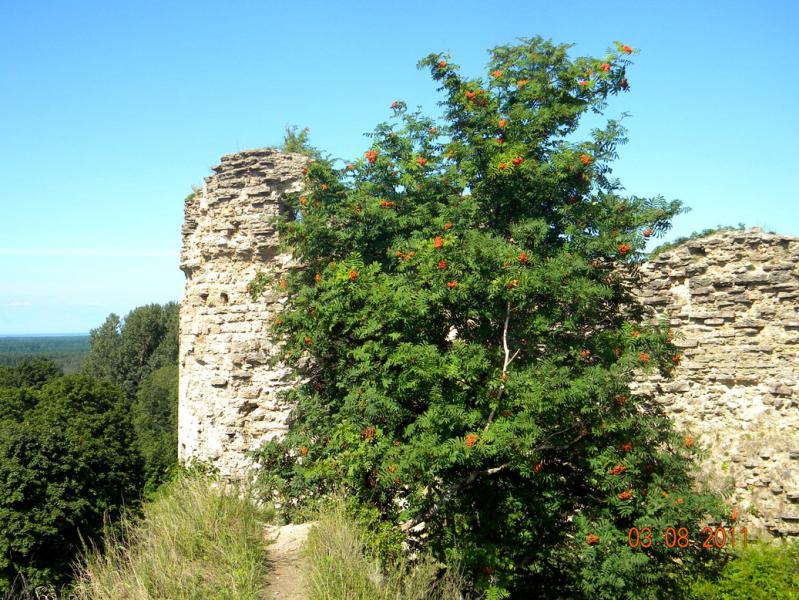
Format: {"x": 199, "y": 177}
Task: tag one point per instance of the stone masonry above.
{"x": 228, "y": 394}
{"x": 731, "y": 299}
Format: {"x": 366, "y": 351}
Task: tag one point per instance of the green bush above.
{"x": 155, "y": 420}
{"x": 194, "y": 540}
{"x": 67, "y": 460}
{"x": 466, "y": 298}
{"x": 758, "y": 572}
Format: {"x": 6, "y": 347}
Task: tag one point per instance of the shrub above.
{"x": 758, "y": 572}
{"x": 67, "y": 458}
{"x": 193, "y": 540}
{"x": 465, "y": 300}
{"x": 155, "y": 420}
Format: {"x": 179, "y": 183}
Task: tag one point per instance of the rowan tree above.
{"x": 466, "y": 299}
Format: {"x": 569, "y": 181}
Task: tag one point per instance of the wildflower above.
{"x": 503, "y": 166}
{"x": 624, "y": 85}
{"x": 442, "y": 264}
{"x": 325, "y": 186}
{"x": 625, "y": 495}
{"x": 386, "y": 203}
{"x": 303, "y": 201}
{"x": 513, "y": 283}
{"x": 502, "y": 123}
{"x": 517, "y": 161}
{"x": 522, "y": 82}
{"x": 624, "y": 249}
{"x": 626, "y": 49}
{"x": 470, "y": 95}
{"x": 318, "y": 277}
{"x": 421, "y": 161}
{"x": 442, "y": 64}
{"x": 585, "y": 353}
{"x": 353, "y": 275}
{"x": 645, "y": 358}
{"x": 592, "y": 539}
{"x": 471, "y": 439}
{"x": 438, "y": 242}
{"x": 647, "y": 232}
{"x": 304, "y": 450}
{"x": 689, "y": 441}
{"x": 538, "y": 466}
{"x": 617, "y": 470}
{"x": 452, "y": 284}
{"x": 585, "y": 159}
{"x": 395, "y": 105}
{"x": 371, "y": 155}
{"x": 627, "y": 447}
{"x": 605, "y": 67}
{"x": 496, "y": 73}
{"x": 368, "y": 433}
{"x": 447, "y": 226}
{"x": 620, "y": 399}
{"x": 523, "y": 257}
{"x": 676, "y": 359}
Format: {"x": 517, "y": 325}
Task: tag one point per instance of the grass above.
{"x": 341, "y": 568}
{"x": 193, "y": 541}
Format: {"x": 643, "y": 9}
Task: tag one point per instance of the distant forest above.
{"x": 66, "y": 351}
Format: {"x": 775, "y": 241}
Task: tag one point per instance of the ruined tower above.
{"x": 228, "y": 393}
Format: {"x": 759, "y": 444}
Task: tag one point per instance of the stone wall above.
{"x": 732, "y": 301}
{"x": 228, "y": 394}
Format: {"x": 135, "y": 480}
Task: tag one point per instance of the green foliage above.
{"x": 155, "y": 416}
{"x": 696, "y": 235}
{"x": 125, "y": 352}
{"x": 297, "y": 141}
{"x": 757, "y": 572}
{"x": 31, "y": 372}
{"x": 67, "y": 459}
{"x": 194, "y": 540}
{"x": 341, "y": 565}
{"x": 66, "y": 351}
{"x": 466, "y": 302}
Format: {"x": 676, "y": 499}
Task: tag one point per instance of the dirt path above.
{"x": 287, "y": 564}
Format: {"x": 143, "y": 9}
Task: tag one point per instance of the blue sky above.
{"x": 110, "y": 111}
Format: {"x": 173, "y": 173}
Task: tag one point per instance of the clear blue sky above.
{"x": 110, "y": 111}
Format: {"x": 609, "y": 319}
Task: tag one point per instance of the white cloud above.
{"x": 20, "y": 303}
{"x": 123, "y": 252}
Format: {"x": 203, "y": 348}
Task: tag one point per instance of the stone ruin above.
{"x": 731, "y": 299}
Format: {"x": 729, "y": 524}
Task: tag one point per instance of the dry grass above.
{"x": 194, "y": 541}
{"x": 341, "y": 569}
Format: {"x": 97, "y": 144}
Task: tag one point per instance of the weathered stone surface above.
{"x": 736, "y": 388}
{"x": 228, "y": 393}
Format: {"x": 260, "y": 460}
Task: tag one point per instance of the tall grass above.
{"x": 340, "y": 568}
{"x": 193, "y": 541}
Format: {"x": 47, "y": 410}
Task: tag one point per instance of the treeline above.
{"x": 75, "y": 449}
{"x": 67, "y": 351}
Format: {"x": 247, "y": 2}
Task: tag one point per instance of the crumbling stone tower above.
{"x": 228, "y": 394}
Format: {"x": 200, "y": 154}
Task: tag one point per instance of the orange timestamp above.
{"x": 678, "y": 537}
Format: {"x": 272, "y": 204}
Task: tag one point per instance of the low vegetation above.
{"x": 757, "y": 572}
{"x": 193, "y": 540}
{"x": 341, "y": 565}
